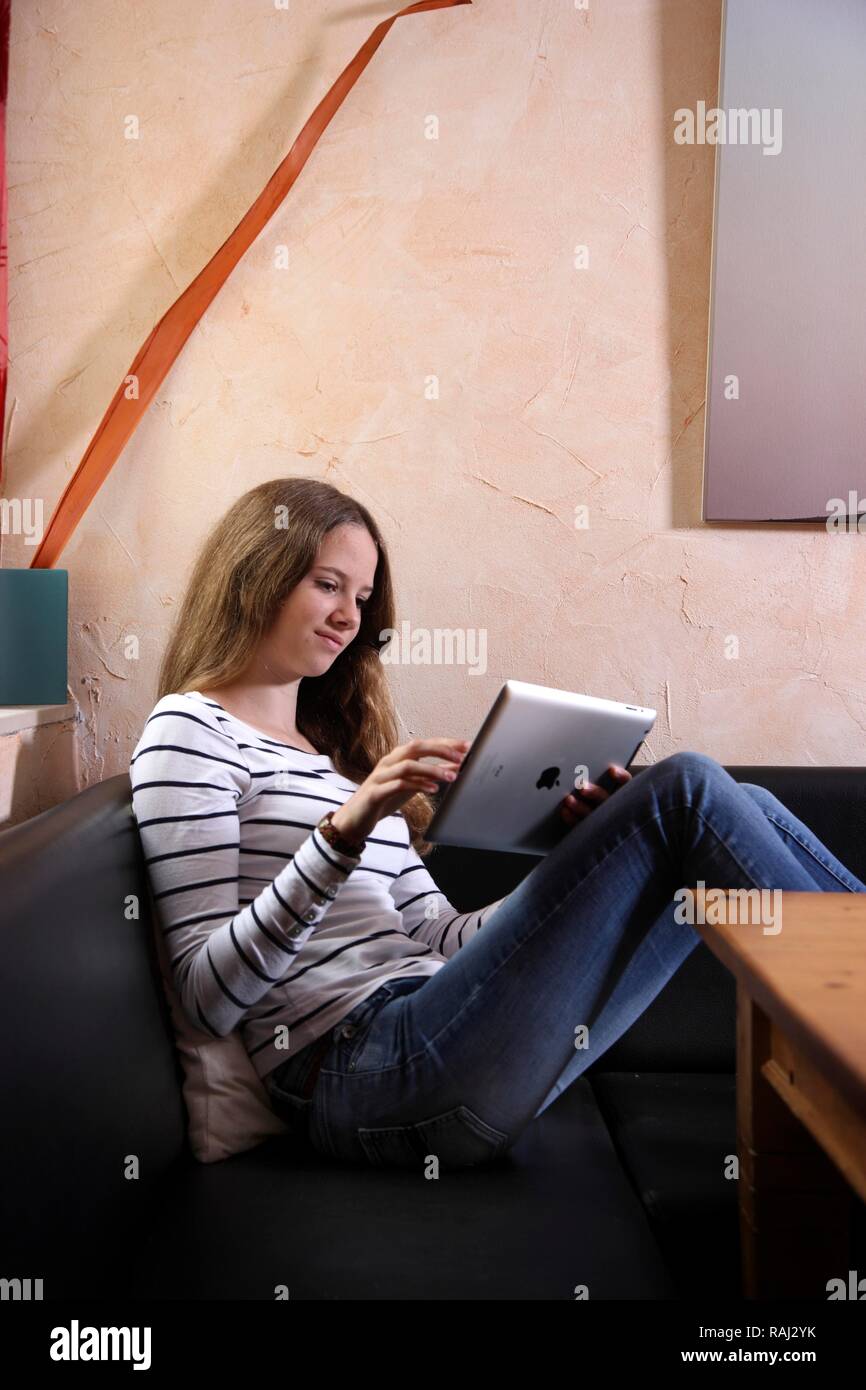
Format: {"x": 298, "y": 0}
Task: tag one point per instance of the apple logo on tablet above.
{"x": 549, "y": 778}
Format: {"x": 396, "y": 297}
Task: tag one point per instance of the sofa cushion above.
{"x": 554, "y": 1213}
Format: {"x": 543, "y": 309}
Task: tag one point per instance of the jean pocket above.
{"x": 352, "y": 1033}
{"x": 293, "y": 1110}
{"x": 458, "y": 1139}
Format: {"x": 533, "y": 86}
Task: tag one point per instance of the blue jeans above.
{"x": 456, "y": 1065}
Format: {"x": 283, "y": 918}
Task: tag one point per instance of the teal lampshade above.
{"x": 34, "y": 605}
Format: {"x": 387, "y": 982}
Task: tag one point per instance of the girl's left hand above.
{"x": 579, "y": 803}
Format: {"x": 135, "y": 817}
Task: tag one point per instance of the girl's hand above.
{"x": 579, "y": 803}
{"x": 396, "y": 777}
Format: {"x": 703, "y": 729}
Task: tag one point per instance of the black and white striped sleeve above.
{"x": 187, "y": 777}
{"x": 427, "y": 914}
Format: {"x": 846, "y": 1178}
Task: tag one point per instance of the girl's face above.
{"x": 328, "y": 600}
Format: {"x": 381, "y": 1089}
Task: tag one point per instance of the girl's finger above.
{"x": 591, "y": 791}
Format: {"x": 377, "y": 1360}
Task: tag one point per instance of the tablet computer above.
{"x": 535, "y": 745}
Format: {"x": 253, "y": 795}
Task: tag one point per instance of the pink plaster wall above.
{"x": 408, "y": 257}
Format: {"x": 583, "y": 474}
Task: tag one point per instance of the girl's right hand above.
{"x": 395, "y": 778}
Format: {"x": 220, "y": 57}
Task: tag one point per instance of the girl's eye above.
{"x": 332, "y": 589}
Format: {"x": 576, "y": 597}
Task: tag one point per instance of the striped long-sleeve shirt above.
{"x": 268, "y": 928}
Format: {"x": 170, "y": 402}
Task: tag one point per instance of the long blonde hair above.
{"x": 245, "y": 569}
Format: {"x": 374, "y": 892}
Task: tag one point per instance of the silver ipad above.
{"x": 534, "y": 746}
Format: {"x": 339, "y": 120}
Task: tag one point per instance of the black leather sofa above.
{"x": 619, "y": 1186}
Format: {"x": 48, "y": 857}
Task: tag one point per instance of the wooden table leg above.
{"x": 796, "y": 1209}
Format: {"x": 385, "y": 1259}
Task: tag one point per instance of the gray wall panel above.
{"x": 788, "y": 312}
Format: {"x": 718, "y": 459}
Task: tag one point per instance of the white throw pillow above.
{"x": 228, "y": 1107}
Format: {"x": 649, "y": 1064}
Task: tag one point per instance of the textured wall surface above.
{"x": 559, "y": 388}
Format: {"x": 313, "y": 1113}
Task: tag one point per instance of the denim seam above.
{"x": 729, "y": 851}
{"x": 788, "y": 830}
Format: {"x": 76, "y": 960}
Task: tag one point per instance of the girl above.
{"x": 282, "y": 825}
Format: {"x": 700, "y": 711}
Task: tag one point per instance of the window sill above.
{"x": 14, "y": 721}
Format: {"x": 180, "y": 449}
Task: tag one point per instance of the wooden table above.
{"x": 801, "y": 1082}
